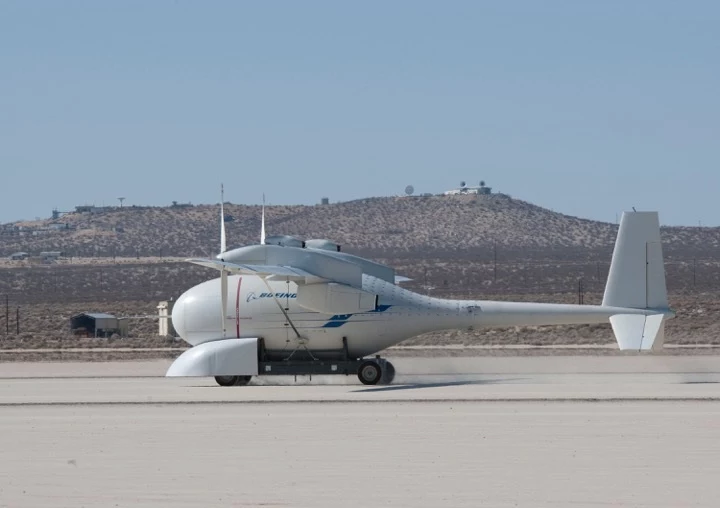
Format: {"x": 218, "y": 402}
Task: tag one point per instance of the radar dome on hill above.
{"x": 409, "y": 190}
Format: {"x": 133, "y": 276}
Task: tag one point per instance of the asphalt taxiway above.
{"x": 522, "y": 431}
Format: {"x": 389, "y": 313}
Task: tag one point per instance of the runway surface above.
{"x": 502, "y": 432}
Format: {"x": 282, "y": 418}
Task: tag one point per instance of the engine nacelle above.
{"x": 323, "y": 245}
{"x": 334, "y": 298}
{"x": 285, "y": 241}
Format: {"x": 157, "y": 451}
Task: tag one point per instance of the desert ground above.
{"x": 509, "y": 432}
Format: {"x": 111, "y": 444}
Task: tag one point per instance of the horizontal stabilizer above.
{"x": 637, "y": 332}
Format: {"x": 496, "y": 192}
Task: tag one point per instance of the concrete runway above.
{"x": 503, "y": 432}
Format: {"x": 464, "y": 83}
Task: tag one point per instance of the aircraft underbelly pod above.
{"x": 230, "y": 357}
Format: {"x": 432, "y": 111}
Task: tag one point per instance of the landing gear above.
{"x": 300, "y": 362}
{"x": 369, "y": 372}
{"x": 372, "y": 372}
{"x": 232, "y": 380}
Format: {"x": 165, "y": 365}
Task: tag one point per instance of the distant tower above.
{"x": 121, "y": 201}
{"x": 462, "y": 184}
{"x": 482, "y": 183}
{"x": 325, "y": 201}
{"x": 409, "y": 190}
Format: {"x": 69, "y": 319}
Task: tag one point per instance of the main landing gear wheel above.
{"x": 232, "y": 380}
{"x": 369, "y": 373}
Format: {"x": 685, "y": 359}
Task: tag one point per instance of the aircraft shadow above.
{"x": 386, "y": 388}
{"x": 438, "y": 384}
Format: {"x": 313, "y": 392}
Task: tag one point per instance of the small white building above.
{"x": 465, "y": 189}
{"x": 97, "y": 324}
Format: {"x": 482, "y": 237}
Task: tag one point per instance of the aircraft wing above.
{"x": 271, "y": 272}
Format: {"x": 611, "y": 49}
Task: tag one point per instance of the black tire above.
{"x": 389, "y": 373}
{"x": 242, "y": 380}
{"x": 226, "y": 380}
{"x": 369, "y": 373}
{"x": 232, "y": 380}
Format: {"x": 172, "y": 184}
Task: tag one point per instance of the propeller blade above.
{"x": 223, "y": 273}
{"x": 262, "y": 224}
{"x": 224, "y": 298}
{"x": 223, "y": 246}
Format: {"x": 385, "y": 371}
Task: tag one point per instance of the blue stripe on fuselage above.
{"x": 340, "y": 319}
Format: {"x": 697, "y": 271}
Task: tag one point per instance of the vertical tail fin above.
{"x": 637, "y": 273}
{"x": 637, "y": 281}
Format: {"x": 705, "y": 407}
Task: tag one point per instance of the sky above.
{"x": 588, "y": 107}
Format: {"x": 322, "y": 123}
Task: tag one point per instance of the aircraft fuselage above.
{"x": 253, "y": 311}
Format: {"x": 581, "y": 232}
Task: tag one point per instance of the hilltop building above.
{"x": 464, "y": 189}
{"x": 91, "y": 209}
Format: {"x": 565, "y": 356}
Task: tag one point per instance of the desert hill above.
{"x": 396, "y": 227}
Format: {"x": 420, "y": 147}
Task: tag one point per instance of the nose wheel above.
{"x": 232, "y": 380}
{"x": 372, "y": 372}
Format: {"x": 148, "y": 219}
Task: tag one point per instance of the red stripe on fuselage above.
{"x": 237, "y": 309}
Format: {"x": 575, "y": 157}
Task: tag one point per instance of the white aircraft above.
{"x": 288, "y": 306}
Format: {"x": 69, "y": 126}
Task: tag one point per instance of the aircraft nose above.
{"x": 178, "y": 316}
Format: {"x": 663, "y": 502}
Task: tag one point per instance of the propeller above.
{"x": 223, "y": 273}
{"x": 262, "y": 224}
{"x": 223, "y": 249}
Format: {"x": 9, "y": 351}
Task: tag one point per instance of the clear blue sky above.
{"x": 585, "y": 107}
